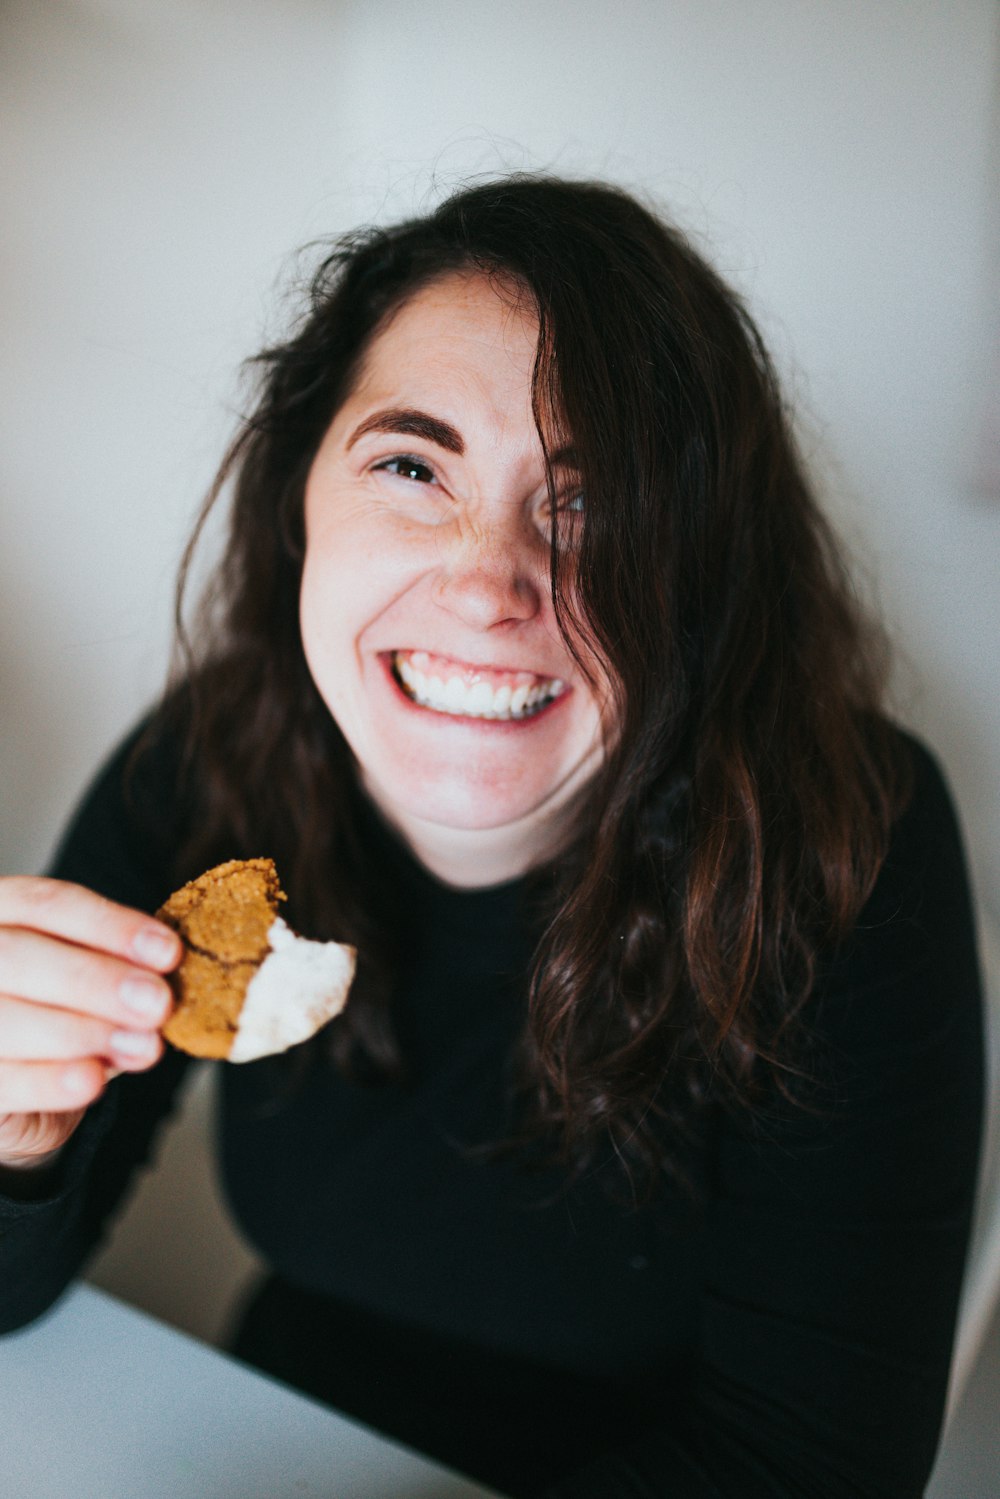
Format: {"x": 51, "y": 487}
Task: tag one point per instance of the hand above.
{"x": 82, "y": 992}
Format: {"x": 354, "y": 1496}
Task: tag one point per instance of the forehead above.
{"x": 460, "y": 327}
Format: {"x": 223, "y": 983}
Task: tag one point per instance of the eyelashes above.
{"x": 407, "y": 466}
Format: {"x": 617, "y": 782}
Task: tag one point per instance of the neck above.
{"x": 474, "y": 858}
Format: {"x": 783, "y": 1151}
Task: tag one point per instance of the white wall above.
{"x": 162, "y": 158}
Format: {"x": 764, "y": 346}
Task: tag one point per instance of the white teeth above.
{"x": 479, "y": 700}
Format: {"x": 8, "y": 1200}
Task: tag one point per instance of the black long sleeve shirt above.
{"x": 783, "y": 1330}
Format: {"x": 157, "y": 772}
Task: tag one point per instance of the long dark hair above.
{"x": 743, "y": 811}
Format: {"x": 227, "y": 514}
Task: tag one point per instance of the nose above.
{"x": 490, "y": 576}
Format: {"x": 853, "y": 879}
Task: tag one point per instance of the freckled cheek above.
{"x": 349, "y": 582}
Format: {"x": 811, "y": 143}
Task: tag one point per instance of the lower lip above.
{"x": 493, "y": 725}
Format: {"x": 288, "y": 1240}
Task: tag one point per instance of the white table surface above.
{"x": 99, "y": 1401}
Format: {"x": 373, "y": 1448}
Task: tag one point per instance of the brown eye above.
{"x": 406, "y": 467}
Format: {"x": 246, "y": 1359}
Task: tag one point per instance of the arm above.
{"x": 838, "y": 1237}
{"x": 51, "y": 1216}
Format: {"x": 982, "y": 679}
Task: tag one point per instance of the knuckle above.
{"x": 17, "y": 1096}
{"x": 110, "y": 920}
{"x": 87, "y": 1085}
{"x": 38, "y": 1088}
{"x": 51, "y": 905}
{"x": 26, "y": 894}
{"x": 74, "y": 1037}
{"x": 86, "y": 974}
{"x": 11, "y": 949}
{"x": 38, "y": 889}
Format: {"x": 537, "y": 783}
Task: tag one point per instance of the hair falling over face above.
{"x": 744, "y": 804}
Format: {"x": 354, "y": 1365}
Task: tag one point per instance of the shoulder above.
{"x": 885, "y": 1115}
{"x": 904, "y": 987}
{"x": 921, "y": 904}
{"x": 927, "y": 828}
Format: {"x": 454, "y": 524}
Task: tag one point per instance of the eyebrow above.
{"x": 411, "y": 423}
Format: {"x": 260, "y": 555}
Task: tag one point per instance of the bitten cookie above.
{"x": 247, "y": 986}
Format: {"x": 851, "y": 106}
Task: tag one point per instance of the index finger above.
{"x": 76, "y": 914}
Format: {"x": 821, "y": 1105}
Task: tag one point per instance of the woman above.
{"x": 642, "y": 1159}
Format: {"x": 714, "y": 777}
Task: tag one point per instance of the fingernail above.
{"x": 154, "y": 945}
{"x": 144, "y": 997}
{"x": 134, "y": 1043}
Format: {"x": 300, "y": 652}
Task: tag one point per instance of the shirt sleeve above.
{"x": 118, "y": 844}
{"x": 838, "y": 1233}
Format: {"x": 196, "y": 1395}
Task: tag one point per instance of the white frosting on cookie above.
{"x": 299, "y": 986}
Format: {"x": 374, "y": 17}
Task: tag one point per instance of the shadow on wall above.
{"x": 32, "y": 762}
{"x": 986, "y": 461}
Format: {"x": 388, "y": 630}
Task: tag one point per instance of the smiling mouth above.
{"x": 461, "y": 691}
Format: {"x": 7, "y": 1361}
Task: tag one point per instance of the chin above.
{"x": 459, "y": 804}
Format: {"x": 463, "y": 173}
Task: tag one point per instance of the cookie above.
{"x": 247, "y": 985}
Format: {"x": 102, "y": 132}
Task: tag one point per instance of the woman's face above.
{"x": 426, "y": 610}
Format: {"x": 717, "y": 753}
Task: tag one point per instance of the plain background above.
{"x": 161, "y": 160}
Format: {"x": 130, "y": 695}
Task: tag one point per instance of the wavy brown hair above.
{"x": 743, "y": 810}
